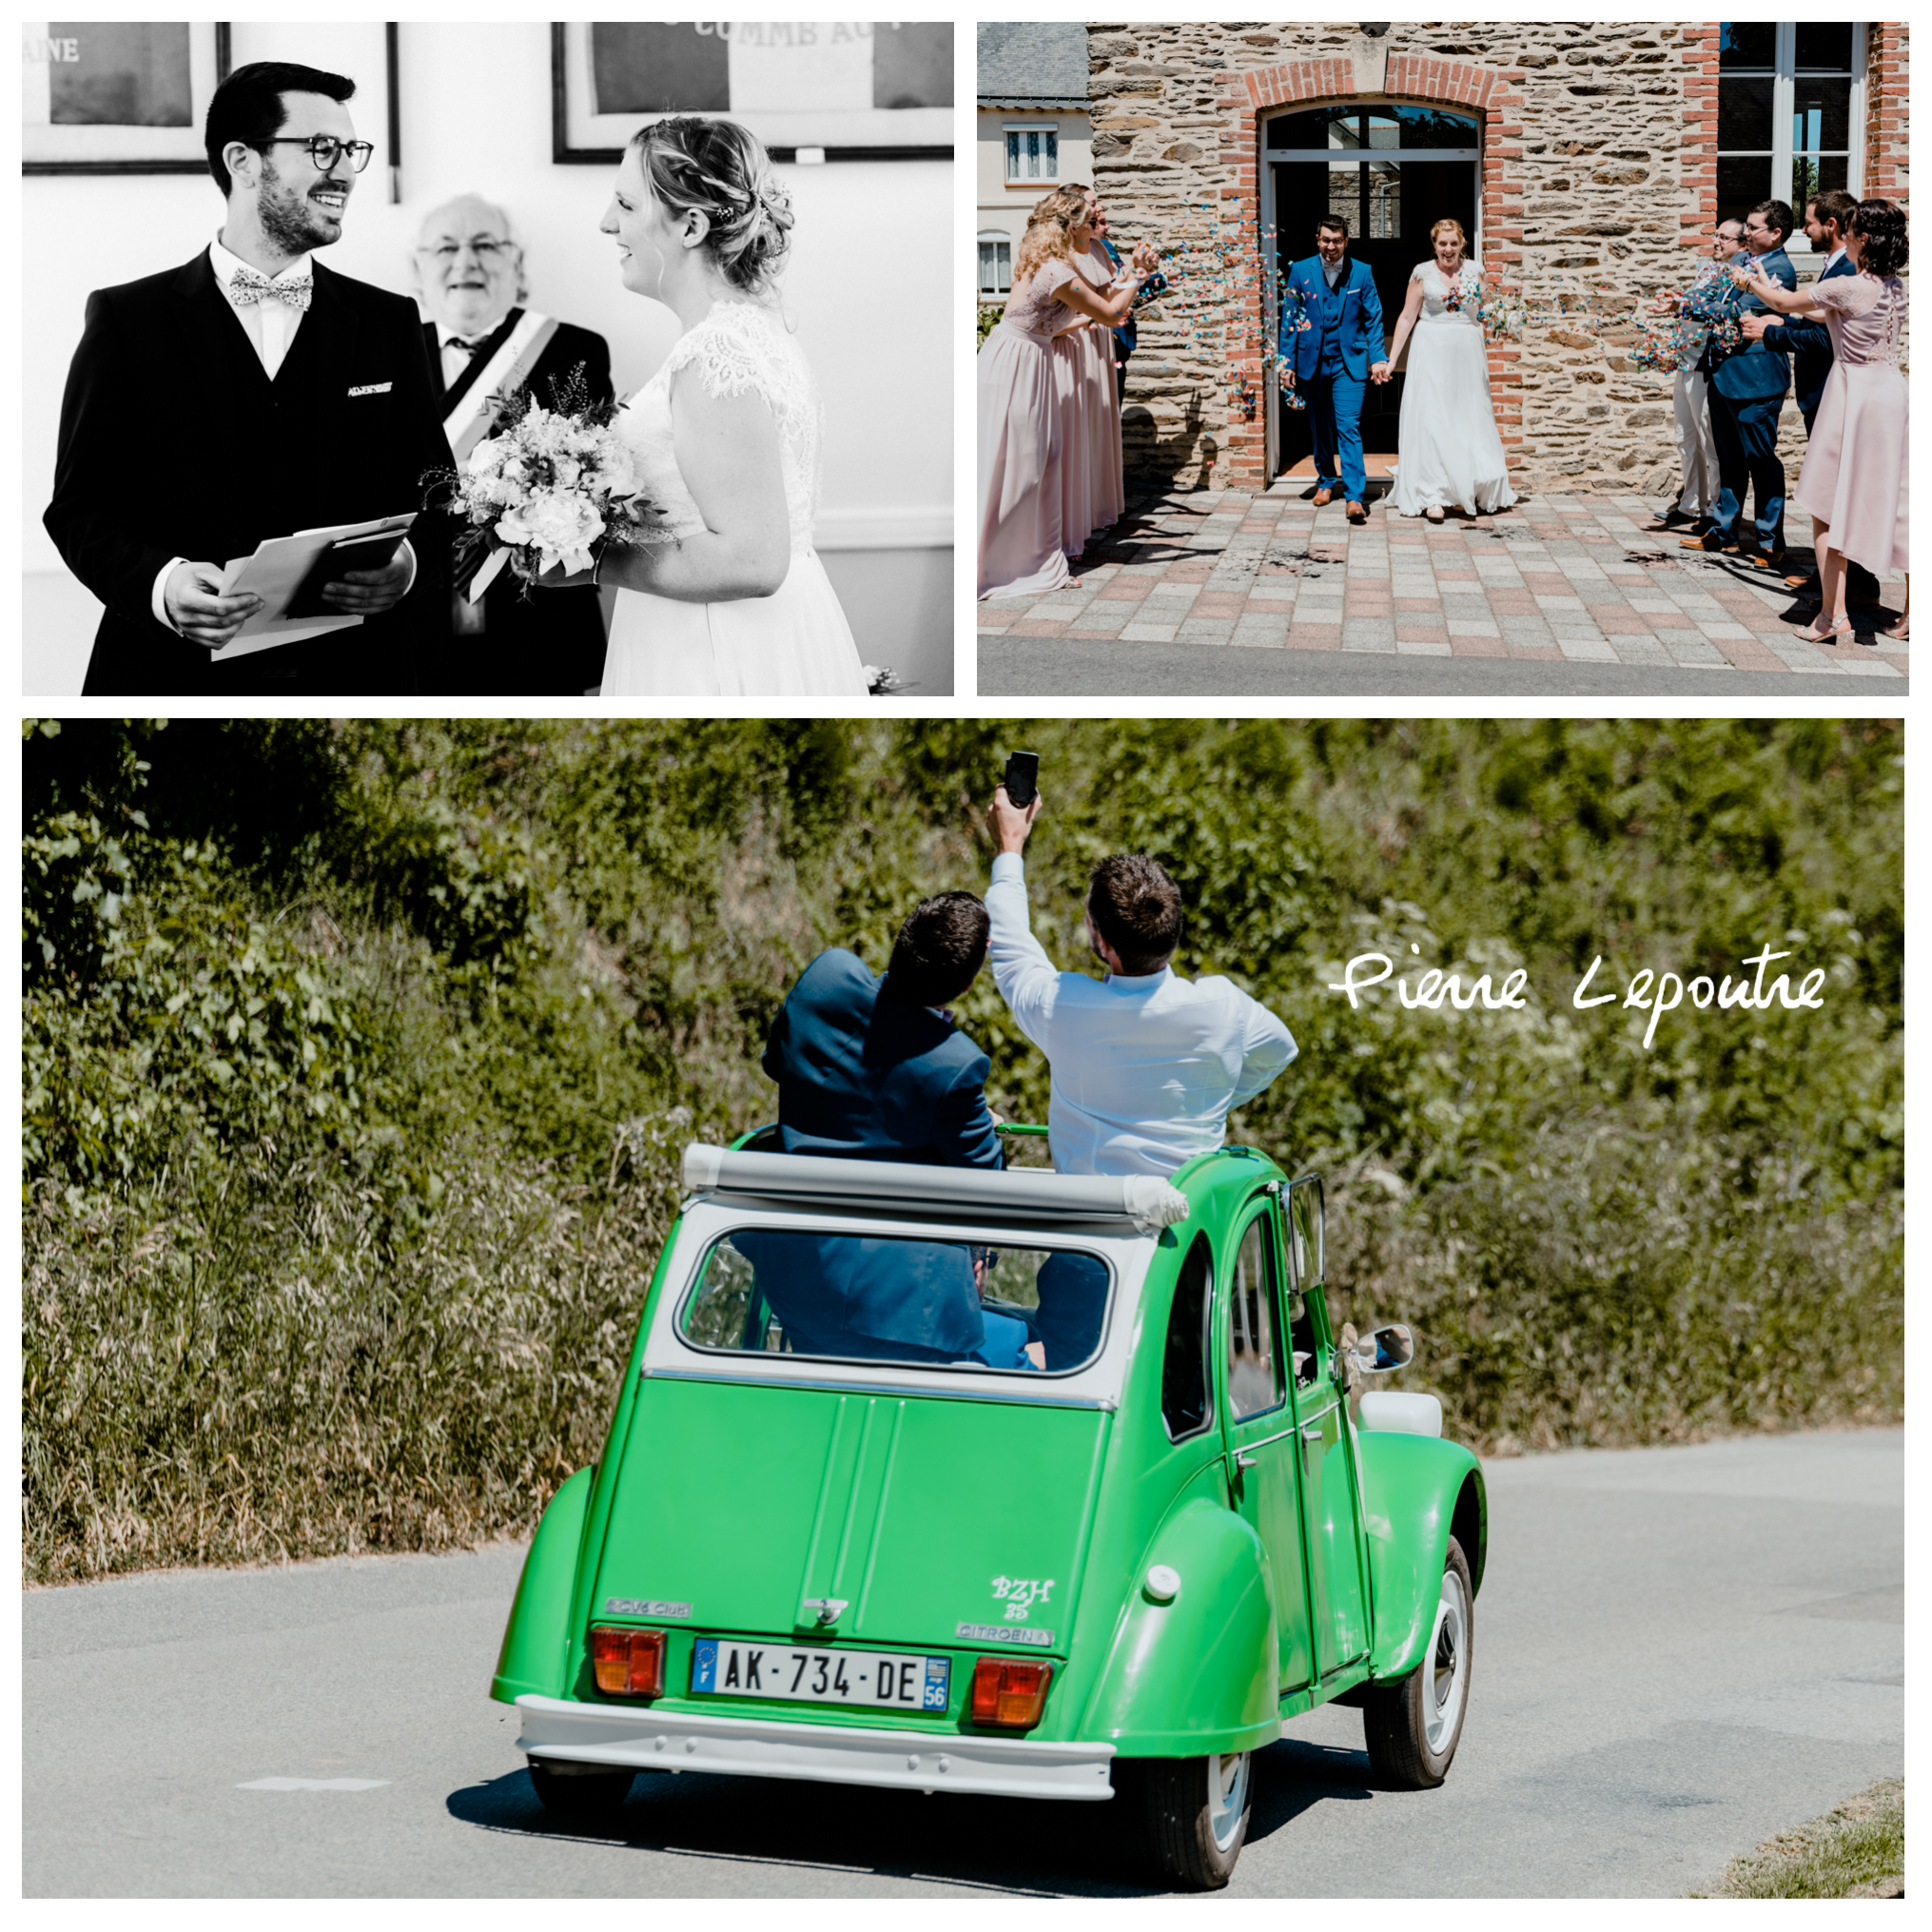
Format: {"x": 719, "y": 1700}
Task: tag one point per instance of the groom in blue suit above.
{"x": 1748, "y": 387}
{"x": 1334, "y": 358}
{"x": 869, "y": 1068}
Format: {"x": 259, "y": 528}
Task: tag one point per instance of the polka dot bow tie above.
{"x": 249, "y": 287}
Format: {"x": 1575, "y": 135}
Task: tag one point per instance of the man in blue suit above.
{"x": 869, "y": 1068}
{"x": 1333, "y": 359}
{"x": 1748, "y": 387}
{"x": 1810, "y": 342}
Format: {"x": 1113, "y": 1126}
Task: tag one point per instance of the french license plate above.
{"x": 881, "y": 1678}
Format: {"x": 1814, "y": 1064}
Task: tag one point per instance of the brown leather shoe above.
{"x": 1357, "y": 513}
{"x": 1323, "y": 497}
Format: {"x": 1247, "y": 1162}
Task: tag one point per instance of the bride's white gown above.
{"x": 1449, "y": 449}
{"x": 795, "y": 642}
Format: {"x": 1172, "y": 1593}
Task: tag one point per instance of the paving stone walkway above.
{"x": 1580, "y": 577}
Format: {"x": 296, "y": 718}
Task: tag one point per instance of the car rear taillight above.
{"x": 1008, "y": 1694}
{"x": 627, "y": 1663}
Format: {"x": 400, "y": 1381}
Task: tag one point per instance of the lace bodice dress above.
{"x": 739, "y": 347}
{"x": 795, "y": 642}
{"x": 1450, "y": 452}
{"x": 1037, "y": 308}
{"x": 1856, "y": 458}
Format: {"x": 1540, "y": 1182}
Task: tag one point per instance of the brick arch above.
{"x": 1494, "y": 94}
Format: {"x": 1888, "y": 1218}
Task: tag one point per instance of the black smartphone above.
{"x": 1022, "y": 776}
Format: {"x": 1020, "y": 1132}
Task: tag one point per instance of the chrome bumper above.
{"x": 643, "y": 1739}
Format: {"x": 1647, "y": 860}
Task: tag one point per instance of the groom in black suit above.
{"x": 247, "y": 395}
{"x": 470, "y": 280}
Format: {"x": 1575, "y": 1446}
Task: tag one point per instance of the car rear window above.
{"x": 887, "y": 1298}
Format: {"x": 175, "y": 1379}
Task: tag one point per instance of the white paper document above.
{"x": 276, "y": 571}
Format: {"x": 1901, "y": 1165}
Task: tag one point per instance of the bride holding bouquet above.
{"x": 1450, "y": 452}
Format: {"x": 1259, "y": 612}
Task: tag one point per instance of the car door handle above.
{"x": 1311, "y": 1432}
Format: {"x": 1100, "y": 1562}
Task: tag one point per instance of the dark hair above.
{"x": 722, "y": 170}
{"x": 1333, "y": 221}
{"x": 1779, "y": 215}
{"x": 940, "y": 951}
{"x": 1882, "y": 225}
{"x": 248, "y": 108}
{"x": 1834, "y": 205}
{"x": 1136, "y": 909}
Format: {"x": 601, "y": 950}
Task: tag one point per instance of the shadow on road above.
{"x": 991, "y": 1844}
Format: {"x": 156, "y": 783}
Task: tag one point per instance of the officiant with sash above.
{"x": 247, "y": 395}
{"x": 484, "y": 346}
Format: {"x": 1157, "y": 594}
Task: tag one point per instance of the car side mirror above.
{"x": 1386, "y": 1350}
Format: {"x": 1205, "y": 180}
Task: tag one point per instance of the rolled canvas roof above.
{"x": 1149, "y": 1202}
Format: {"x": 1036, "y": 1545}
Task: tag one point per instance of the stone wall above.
{"x": 1598, "y": 181}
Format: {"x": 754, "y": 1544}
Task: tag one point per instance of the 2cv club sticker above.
{"x": 1019, "y": 1594}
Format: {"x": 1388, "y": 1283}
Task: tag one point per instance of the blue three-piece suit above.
{"x": 1748, "y": 387}
{"x": 1331, "y": 359}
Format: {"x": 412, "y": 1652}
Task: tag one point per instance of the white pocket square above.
{"x": 372, "y": 389}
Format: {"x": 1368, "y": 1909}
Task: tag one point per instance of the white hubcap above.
{"x": 1227, "y": 1796}
{"x": 1445, "y": 1682}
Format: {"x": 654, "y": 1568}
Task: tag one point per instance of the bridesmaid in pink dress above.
{"x": 1854, "y": 481}
{"x": 1106, "y": 492}
{"x": 1023, "y": 435}
{"x": 1072, "y": 346}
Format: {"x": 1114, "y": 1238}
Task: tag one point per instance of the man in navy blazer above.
{"x": 1333, "y": 359}
{"x": 869, "y": 1068}
{"x": 1810, "y": 342}
{"x": 1748, "y": 387}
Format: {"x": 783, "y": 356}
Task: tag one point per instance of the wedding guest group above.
{"x": 485, "y": 345}
{"x": 1050, "y": 402}
{"x": 1854, "y": 485}
{"x": 242, "y": 395}
{"x": 1690, "y": 399}
{"x": 1747, "y": 381}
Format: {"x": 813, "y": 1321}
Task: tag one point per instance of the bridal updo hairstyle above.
{"x": 1049, "y": 228}
{"x": 1455, "y": 227}
{"x": 723, "y": 170}
{"x": 1882, "y": 225}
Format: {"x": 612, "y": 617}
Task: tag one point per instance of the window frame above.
{"x": 1274, "y": 1265}
{"x": 1783, "y": 152}
{"x": 1210, "y": 1409}
{"x": 1043, "y": 182}
{"x": 1002, "y": 239}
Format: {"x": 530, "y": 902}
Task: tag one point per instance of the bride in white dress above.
{"x": 1449, "y": 452}
{"x": 723, "y": 596}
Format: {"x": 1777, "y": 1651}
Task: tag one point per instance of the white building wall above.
{"x": 1005, "y": 207}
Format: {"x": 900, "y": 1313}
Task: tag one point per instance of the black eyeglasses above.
{"x": 325, "y": 149}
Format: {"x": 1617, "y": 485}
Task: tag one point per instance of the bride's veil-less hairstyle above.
{"x": 1049, "y": 228}
{"x": 721, "y": 169}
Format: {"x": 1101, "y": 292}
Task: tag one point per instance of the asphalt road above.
{"x": 1678, "y": 1652}
{"x": 1073, "y": 667}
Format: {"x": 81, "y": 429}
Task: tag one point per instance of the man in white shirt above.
{"x": 248, "y": 393}
{"x": 1147, "y": 1065}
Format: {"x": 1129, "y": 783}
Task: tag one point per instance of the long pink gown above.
{"x": 1855, "y": 466}
{"x": 1021, "y": 443}
{"x": 1073, "y": 397}
{"x": 1106, "y": 488}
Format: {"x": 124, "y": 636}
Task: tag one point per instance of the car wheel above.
{"x": 1414, "y": 1724}
{"x": 571, "y": 1792}
{"x": 1197, "y": 1814}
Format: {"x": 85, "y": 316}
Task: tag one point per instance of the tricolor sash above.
{"x": 473, "y": 415}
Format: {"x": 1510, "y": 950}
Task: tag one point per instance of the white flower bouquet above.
{"x": 540, "y": 491}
